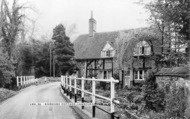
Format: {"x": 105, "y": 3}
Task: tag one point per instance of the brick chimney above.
{"x": 92, "y": 25}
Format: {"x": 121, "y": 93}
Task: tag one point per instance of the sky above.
{"x": 111, "y": 15}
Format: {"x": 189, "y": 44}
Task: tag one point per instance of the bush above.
{"x": 176, "y": 102}
{"x": 153, "y": 96}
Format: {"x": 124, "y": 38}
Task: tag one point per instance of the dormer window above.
{"x": 142, "y": 48}
{"x": 108, "y": 53}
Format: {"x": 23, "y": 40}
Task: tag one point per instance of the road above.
{"x": 19, "y": 106}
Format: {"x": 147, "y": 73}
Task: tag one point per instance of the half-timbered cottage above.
{"x": 127, "y": 52}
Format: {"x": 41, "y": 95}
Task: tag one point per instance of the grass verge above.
{"x": 5, "y": 94}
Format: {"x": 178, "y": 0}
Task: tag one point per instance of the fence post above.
{"x": 82, "y": 92}
{"x": 27, "y": 80}
{"x": 70, "y": 88}
{"x": 93, "y": 97}
{"x": 75, "y": 90}
{"x": 67, "y": 82}
{"x": 64, "y": 84}
{"x": 112, "y": 90}
{"x": 61, "y": 80}
{"x": 21, "y": 80}
{"x": 17, "y": 81}
{"x": 24, "y": 80}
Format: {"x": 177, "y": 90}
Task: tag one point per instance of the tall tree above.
{"x": 174, "y": 15}
{"x": 12, "y": 23}
{"x": 42, "y": 60}
{"x": 63, "y": 49}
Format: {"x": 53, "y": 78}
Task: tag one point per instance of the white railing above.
{"x": 25, "y": 80}
{"x": 66, "y": 82}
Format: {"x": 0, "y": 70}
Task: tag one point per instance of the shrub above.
{"x": 153, "y": 96}
{"x": 176, "y": 102}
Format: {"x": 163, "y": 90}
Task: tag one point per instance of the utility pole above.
{"x": 53, "y": 58}
{"x": 50, "y": 59}
{"x": 53, "y": 65}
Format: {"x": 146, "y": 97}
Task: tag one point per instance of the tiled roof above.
{"x": 175, "y": 71}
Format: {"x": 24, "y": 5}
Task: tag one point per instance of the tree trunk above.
{"x": 188, "y": 39}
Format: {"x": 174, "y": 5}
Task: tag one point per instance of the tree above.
{"x": 6, "y": 70}
{"x": 173, "y": 19}
{"x": 12, "y": 23}
{"x": 25, "y": 59}
{"x": 42, "y": 66}
{"x": 63, "y": 50}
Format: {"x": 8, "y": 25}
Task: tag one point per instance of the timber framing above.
{"x": 97, "y": 64}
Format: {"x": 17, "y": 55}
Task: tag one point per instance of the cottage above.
{"x": 128, "y": 52}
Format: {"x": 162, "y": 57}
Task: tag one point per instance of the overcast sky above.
{"x": 110, "y": 15}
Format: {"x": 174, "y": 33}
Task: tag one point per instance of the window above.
{"x": 139, "y": 75}
{"x": 105, "y": 74}
{"x": 142, "y": 48}
{"x": 108, "y": 53}
{"x": 135, "y": 74}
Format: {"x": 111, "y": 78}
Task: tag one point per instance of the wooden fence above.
{"x": 25, "y": 80}
{"x": 66, "y": 83}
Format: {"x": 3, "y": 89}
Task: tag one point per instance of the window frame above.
{"x": 142, "y": 48}
{"x": 108, "y": 53}
{"x": 136, "y": 75}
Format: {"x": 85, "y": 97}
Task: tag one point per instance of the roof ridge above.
{"x": 124, "y": 30}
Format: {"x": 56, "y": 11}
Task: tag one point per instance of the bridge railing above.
{"x": 25, "y": 80}
{"x": 66, "y": 83}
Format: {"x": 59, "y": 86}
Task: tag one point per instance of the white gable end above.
{"x": 107, "y": 47}
{"x": 108, "y": 51}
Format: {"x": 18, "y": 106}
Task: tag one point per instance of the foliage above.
{"x": 172, "y": 11}
{"x": 34, "y": 55}
{"x": 42, "y": 59}
{"x": 176, "y": 102}
{"x": 63, "y": 49}
{"x": 11, "y": 23}
{"x": 172, "y": 19}
{"x": 25, "y": 58}
{"x": 153, "y": 96}
{"x": 6, "y": 70}
{"x": 4, "y": 94}
{"x": 125, "y": 46}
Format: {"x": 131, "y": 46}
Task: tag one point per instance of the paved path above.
{"x": 18, "y": 107}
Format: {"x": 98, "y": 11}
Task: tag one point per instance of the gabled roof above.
{"x": 90, "y": 47}
{"x": 111, "y": 46}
